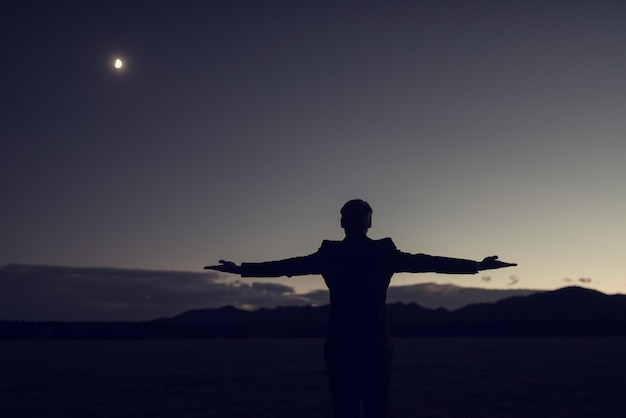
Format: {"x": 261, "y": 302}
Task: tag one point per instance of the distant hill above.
{"x": 568, "y": 311}
{"x": 571, "y": 311}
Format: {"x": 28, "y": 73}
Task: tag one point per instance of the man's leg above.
{"x": 375, "y": 384}
{"x": 344, "y": 387}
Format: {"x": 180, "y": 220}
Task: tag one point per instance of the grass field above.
{"x": 433, "y": 377}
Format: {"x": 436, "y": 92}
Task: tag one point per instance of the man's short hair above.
{"x": 355, "y": 208}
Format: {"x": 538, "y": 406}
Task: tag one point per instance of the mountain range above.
{"x": 570, "y": 311}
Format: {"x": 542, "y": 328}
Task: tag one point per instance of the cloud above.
{"x": 74, "y": 293}
{"x": 449, "y": 296}
{"x": 585, "y": 280}
{"x": 513, "y": 280}
{"x": 277, "y": 288}
{"x": 91, "y": 294}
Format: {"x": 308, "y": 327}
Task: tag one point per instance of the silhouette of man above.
{"x": 357, "y": 271}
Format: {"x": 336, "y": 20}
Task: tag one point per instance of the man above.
{"x": 357, "y": 271}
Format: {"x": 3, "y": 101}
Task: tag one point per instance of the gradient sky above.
{"x": 238, "y": 129}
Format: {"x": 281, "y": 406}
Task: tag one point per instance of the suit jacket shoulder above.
{"x": 386, "y": 243}
{"x": 329, "y": 246}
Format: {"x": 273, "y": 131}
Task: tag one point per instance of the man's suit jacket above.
{"x": 357, "y": 273}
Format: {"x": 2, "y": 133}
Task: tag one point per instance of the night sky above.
{"x": 237, "y": 130}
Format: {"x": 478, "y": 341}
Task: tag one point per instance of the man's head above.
{"x": 356, "y": 217}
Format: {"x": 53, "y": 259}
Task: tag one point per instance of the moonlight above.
{"x": 118, "y": 64}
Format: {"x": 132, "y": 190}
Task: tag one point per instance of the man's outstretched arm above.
{"x": 423, "y": 263}
{"x": 491, "y": 263}
{"x": 225, "y": 267}
{"x": 297, "y": 266}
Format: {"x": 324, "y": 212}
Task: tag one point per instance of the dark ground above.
{"x": 433, "y": 377}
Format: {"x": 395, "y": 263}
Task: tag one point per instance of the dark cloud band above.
{"x": 44, "y": 293}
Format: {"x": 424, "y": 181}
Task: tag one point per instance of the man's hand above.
{"x": 491, "y": 263}
{"x": 226, "y": 267}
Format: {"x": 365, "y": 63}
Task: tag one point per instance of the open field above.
{"x": 433, "y": 377}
